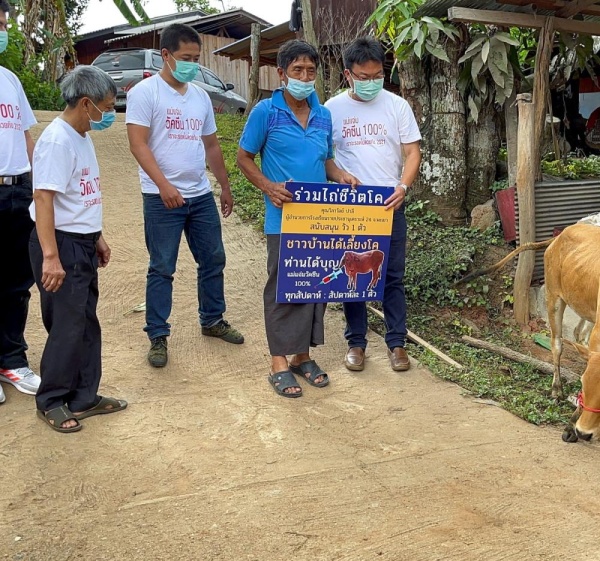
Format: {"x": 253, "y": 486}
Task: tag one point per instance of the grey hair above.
{"x": 86, "y": 81}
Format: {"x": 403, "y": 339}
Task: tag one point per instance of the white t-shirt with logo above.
{"x": 65, "y": 162}
{"x": 16, "y": 117}
{"x": 177, "y": 123}
{"x": 368, "y": 136}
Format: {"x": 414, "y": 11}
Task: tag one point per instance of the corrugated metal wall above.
{"x": 559, "y": 204}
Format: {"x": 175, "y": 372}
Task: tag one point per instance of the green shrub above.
{"x": 573, "y": 168}
{"x": 41, "y": 95}
{"x": 437, "y": 256}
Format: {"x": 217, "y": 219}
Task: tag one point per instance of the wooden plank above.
{"x": 574, "y": 7}
{"x": 512, "y": 19}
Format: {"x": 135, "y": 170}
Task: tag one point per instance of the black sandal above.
{"x": 282, "y": 381}
{"x": 59, "y": 415}
{"x": 313, "y": 370}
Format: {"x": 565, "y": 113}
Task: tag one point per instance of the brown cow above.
{"x": 572, "y": 275}
{"x": 367, "y": 262}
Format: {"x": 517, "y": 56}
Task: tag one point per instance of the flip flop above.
{"x": 59, "y": 415}
{"x": 282, "y": 381}
{"x": 313, "y": 370}
{"x": 105, "y": 406}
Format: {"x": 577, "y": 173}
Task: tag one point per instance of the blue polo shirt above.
{"x": 288, "y": 151}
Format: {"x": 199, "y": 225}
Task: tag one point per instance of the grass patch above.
{"x": 248, "y": 200}
{"x": 438, "y": 310}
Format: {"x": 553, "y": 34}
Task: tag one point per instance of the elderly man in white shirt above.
{"x": 66, "y": 249}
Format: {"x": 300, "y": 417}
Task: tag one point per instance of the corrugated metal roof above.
{"x": 559, "y": 204}
{"x": 236, "y": 49}
{"x": 439, "y": 8}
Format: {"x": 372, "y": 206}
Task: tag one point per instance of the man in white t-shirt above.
{"x": 376, "y": 138}
{"x": 172, "y": 134}
{"x": 66, "y": 249}
{"x": 16, "y": 149}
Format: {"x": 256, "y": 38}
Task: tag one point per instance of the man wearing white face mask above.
{"x": 372, "y": 130}
{"x": 292, "y": 133}
{"x": 66, "y": 249}
{"x": 16, "y": 149}
{"x": 172, "y": 135}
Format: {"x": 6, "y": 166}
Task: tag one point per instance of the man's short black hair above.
{"x": 363, "y": 49}
{"x": 175, "y": 34}
{"x": 294, "y": 49}
{"x": 4, "y": 6}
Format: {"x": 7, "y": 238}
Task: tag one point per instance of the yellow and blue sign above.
{"x": 334, "y": 243}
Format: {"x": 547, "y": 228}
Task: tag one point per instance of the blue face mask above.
{"x": 185, "y": 71}
{"x": 108, "y": 118}
{"x": 3, "y": 41}
{"x": 368, "y": 89}
{"x": 298, "y": 89}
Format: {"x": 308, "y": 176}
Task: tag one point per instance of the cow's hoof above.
{"x": 569, "y": 435}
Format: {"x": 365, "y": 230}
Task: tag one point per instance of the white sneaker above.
{"x": 2, "y": 396}
{"x": 21, "y": 378}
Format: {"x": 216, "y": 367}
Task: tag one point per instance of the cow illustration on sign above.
{"x": 359, "y": 263}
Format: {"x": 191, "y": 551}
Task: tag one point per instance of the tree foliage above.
{"x": 191, "y": 5}
{"x": 493, "y": 57}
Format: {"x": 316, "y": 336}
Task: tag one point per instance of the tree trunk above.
{"x": 415, "y": 89}
{"x": 254, "y": 68}
{"x": 483, "y": 143}
{"x": 444, "y": 169}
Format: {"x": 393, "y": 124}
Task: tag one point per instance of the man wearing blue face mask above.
{"x": 292, "y": 133}
{"x": 16, "y": 149}
{"x": 172, "y": 135}
{"x": 376, "y": 137}
{"x": 66, "y": 249}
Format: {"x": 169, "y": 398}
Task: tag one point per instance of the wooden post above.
{"x": 512, "y": 128}
{"x": 311, "y": 37}
{"x": 254, "y": 93}
{"x": 532, "y": 120}
{"x": 526, "y": 197}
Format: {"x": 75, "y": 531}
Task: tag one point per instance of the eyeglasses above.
{"x": 380, "y": 76}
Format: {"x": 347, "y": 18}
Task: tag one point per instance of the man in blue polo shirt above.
{"x": 292, "y": 132}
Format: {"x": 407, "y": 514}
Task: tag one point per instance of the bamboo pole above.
{"x": 540, "y": 365}
{"x": 416, "y": 339}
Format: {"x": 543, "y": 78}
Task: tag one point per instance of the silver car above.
{"x": 127, "y": 67}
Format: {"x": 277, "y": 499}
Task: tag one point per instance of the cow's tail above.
{"x": 525, "y": 247}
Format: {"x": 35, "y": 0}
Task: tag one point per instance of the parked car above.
{"x": 127, "y": 67}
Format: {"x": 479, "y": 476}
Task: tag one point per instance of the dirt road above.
{"x": 208, "y": 463}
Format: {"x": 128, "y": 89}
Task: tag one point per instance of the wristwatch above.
{"x": 404, "y": 186}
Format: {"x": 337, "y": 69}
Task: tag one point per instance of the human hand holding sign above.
{"x": 277, "y": 193}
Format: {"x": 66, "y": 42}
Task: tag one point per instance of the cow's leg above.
{"x": 582, "y": 331}
{"x": 556, "y": 308}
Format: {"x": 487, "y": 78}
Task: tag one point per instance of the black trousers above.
{"x": 16, "y": 277}
{"x": 71, "y": 364}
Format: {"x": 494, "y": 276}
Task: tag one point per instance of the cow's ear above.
{"x": 581, "y": 349}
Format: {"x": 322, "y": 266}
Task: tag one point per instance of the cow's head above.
{"x": 586, "y": 420}
{"x": 342, "y": 260}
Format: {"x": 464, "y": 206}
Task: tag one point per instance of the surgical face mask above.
{"x": 185, "y": 71}
{"x": 367, "y": 89}
{"x": 3, "y": 41}
{"x": 108, "y": 118}
{"x": 298, "y": 89}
